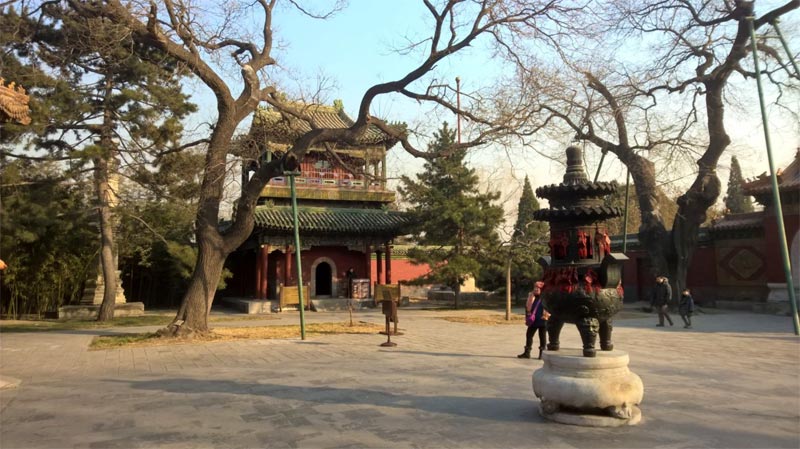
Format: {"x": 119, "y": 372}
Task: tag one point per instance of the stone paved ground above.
{"x": 732, "y": 382}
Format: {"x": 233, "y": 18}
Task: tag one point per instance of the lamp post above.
{"x": 458, "y": 103}
{"x": 458, "y": 106}
{"x": 625, "y": 218}
{"x": 776, "y": 196}
{"x": 291, "y": 174}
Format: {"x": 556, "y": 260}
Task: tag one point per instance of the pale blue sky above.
{"x": 356, "y": 49}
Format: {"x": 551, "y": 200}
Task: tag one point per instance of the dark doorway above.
{"x": 323, "y": 279}
{"x": 275, "y": 273}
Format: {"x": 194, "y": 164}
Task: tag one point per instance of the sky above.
{"x": 358, "y": 48}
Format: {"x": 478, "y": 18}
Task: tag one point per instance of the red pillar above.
{"x": 259, "y": 273}
{"x": 379, "y": 266}
{"x": 388, "y": 248}
{"x": 287, "y": 266}
{"x": 262, "y": 294}
{"x": 368, "y": 256}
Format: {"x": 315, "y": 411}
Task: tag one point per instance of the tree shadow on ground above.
{"x": 491, "y": 408}
{"x": 449, "y": 354}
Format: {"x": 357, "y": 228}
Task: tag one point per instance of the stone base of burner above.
{"x": 588, "y": 391}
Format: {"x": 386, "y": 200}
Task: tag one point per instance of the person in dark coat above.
{"x": 535, "y": 319}
{"x": 686, "y": 308}
{"x": 349, "y": 276}
{"x": 661, "y": 299}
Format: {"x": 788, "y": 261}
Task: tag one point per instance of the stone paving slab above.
{"x": 732, "y": 382}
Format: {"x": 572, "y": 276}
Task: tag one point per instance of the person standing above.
{"x": 349, "y": 276}
{"x": 686, "y": 308}
{"x": 661, "y": 299}
{"x": 535, "y": 319}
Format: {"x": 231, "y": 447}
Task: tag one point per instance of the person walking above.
{"x": 686, "y": 308}
{"x": 349, "y": 276}
{"x": 535, "y": 319}
{"x": 661, "y": 299}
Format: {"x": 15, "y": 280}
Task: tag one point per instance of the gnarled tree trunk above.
{"x": 192, "y": 317}
{"x": 104, "y": 165}
{"x": 653, "y": 234}
{"x": 693, "y": 205}
{"x": 107, "y": 259}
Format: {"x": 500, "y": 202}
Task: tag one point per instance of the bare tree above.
{"x": 623, "y": 107}
{"x": 176, "y": 27}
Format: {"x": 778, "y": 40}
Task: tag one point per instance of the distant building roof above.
{"x": 331, "y": 220}
{"x": 788, "y": 182}
{"x": 274, "y": 126}
{"x": 750, "y": 221}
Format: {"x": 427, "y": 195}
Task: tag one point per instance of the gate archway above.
{"x": 323, "y": 283}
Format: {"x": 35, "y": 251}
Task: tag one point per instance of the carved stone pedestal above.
{"x": 599, "y": 391}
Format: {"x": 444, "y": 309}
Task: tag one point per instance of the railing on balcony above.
{"x": 326, "y": 186}
{"x": 329, "y": 180}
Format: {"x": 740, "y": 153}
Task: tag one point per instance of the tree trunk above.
{"x": 508, "y": 289}
{"x": 693, "y": 205}
{"x": 456, "y": 294}
{"x": 192, "y": 317}
{"x": 103, "y": 167}
{"x": 107, "y": 261}
{"x": 653, "y": 234}
{"x": 212, "y": 247}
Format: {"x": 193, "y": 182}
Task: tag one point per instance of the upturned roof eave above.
{"x": 271, "y": 125}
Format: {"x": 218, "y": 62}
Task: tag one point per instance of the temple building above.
{"x": 345, "y": 213}
{"x": 737, "y": 263}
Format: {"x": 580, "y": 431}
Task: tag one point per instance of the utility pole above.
{"x": 458, "y": 107}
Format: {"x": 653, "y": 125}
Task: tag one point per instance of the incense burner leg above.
{"x": 588, "y": 328}
{"x": 554, "y": 326}
{"x": 605, "y": 335}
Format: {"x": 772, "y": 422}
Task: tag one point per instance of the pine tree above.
{"x": 454, "y": 222}
{"x": 736, "y": 201}
{"x": 528, "y": 242}
{"x": 105, "y": 98}
{"x": 157, "y": 226}
{"x": 46, "y": 238}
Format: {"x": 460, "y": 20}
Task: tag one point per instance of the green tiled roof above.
{"x": 331, "y": 220}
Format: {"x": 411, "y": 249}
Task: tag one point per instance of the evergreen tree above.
{"x": 453, "y": 222}
{"x": 157, "y": 226}
{"x": 528, "y": 243}
{"x": 736, "y": 201}
{"x": 528, "y": 204}
{"x": 102, "y": 98}
{"x": 46, "y": 237}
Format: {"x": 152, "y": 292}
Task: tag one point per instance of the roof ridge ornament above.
{"x": 14, "y": 103}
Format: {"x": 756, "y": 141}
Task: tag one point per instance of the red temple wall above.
{"x": 791, "y": 223}
{"x": 725, "y": 269}
{"x": 402, "y": 270}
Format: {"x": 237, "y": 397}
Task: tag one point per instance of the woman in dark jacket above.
{"x": 686, "y": 308}
{"x": 535, "y": 319}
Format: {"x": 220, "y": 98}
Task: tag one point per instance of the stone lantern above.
{"x": 583, "y": 285}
